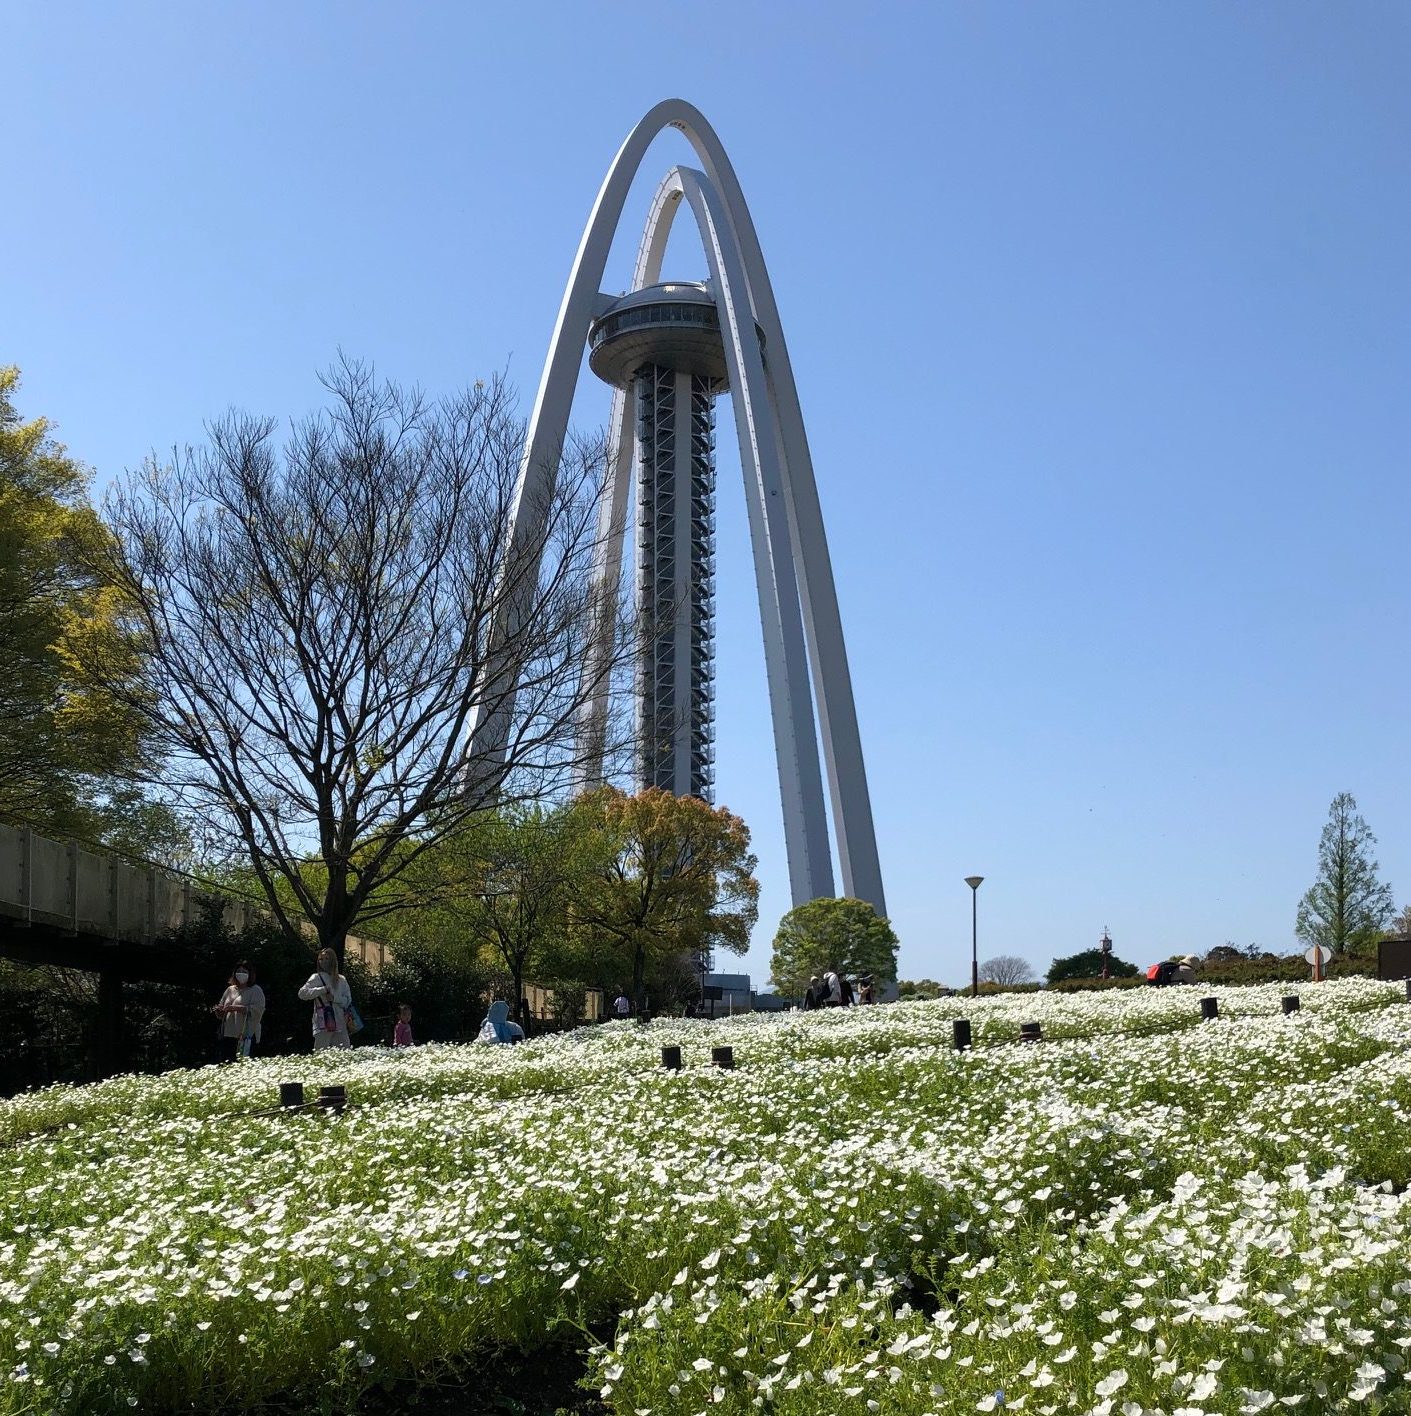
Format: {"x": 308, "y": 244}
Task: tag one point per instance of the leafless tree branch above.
{"x": 317, "y": 618}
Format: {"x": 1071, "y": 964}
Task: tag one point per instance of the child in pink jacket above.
{"x": 402, "y": 1033}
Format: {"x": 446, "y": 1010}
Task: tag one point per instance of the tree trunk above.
{"x": 108, "y": 1029}
{"x": 521, "y": 1003}
{"x": 639, "y": 981}
{"x": 333, "y": 921}
{"x": 333, "y": 937}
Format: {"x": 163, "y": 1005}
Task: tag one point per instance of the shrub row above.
{"x": 1088, "y": 985}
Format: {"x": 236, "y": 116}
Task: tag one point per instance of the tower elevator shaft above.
{"x": 676, "y": 578}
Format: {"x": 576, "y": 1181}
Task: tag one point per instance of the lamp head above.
{"x": 973, "y": 881}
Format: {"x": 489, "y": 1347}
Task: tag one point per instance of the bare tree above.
{"x": 316, "y": 619}
{"x": 1006, "y": 969}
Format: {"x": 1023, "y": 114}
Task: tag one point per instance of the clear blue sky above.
{"x": 1102, "y": 322}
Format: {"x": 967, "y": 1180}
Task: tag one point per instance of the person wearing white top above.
{"x": 832, "y": 989}
{"x": 240, "y": 1010}
{"x": 330, "y": 993}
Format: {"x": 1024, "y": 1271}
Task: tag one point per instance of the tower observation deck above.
{"x": 664, "y": 343}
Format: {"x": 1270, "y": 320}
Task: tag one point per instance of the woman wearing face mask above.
{"x": 332, "y": 997}
{"x": 240, "y": 1010}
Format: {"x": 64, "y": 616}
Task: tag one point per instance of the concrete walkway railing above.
{"x": 81, "y": 891}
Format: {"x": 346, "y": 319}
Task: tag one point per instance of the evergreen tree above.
{"x": 1087, "y": 963}
{"x": 842, "y": 934}
{"x": 1346, "y": 907}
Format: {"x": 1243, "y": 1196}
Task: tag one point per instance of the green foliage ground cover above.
{"x": 1143, "y": 1214}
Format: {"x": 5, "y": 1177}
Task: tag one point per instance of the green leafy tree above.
{"x": 664, "y": 875}
{"x": 69, "y": 746}
{"x": 909, "y": 989}
{"x": 842, "y": 934}
{"x": 1088, "y": 964}
{"x": 445, "y": 982}
{"x": 510, "y": 880}
{"x": 1347, "y": 907}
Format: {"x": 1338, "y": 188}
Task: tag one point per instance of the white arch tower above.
{"x": 670, "y": 348}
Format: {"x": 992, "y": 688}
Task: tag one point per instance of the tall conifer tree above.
{"x": 1347, "y": 906}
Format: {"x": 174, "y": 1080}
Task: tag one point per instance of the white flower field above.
{"x": 1143, "y": 1213}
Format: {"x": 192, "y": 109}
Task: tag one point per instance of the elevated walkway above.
{"x": 76, "y": 906}
{"x": 67, "y": 903}
{"x": 73, "y": 905}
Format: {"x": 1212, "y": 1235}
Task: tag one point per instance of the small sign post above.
{"x": 1318, "y": 956}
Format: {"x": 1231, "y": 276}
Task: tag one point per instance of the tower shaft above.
{"x": 676, "y": 578}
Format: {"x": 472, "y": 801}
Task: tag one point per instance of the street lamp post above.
{"x": 974, "y": 881}
{"x": 1105, "y": 944}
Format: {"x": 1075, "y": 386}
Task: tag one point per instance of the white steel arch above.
{"x": 785, "y": 517}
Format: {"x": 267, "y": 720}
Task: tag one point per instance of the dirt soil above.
{"x": 544, "y": 1383}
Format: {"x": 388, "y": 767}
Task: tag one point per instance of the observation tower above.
{"x": 669, "y": 349}
{"x": 663, "y": 343}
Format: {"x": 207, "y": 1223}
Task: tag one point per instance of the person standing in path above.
{"x": 622, "y": 1005}
{"x": 832, "y": 989}
{"x": 240, "y": 1010}
{"x": 330, "y": 993}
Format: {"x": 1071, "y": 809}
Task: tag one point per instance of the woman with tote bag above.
{"x": 334, "y": 1015}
